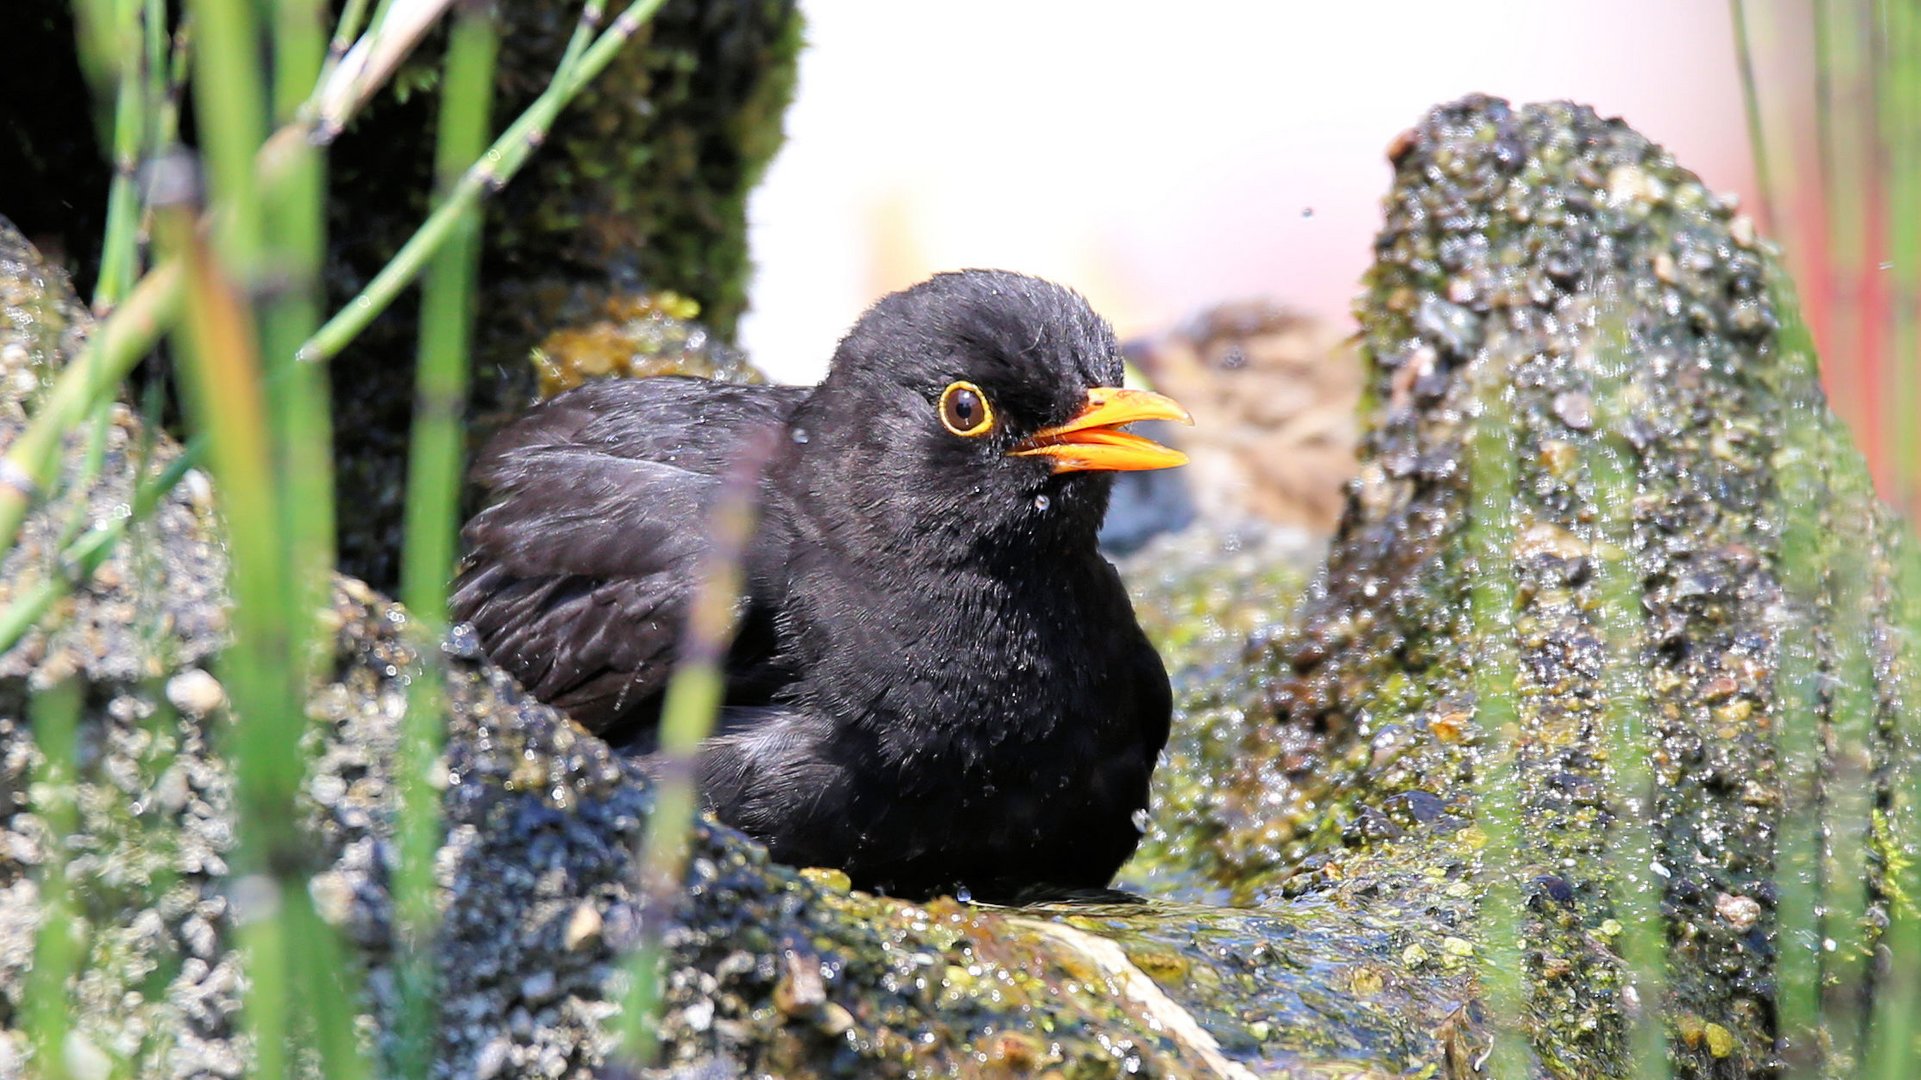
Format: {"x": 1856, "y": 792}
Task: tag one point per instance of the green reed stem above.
{"x": 221, "y": 370}
{"x": 98, "y": 23}
{"x": 1829, "y": 736}
{"x": 1491, "y": 607}
{"x": 300, "y": 430}
{"x": 491, "y": 172}
{"x": 119, "y": 253}
{"x": 1900, "y": 109}
{"x": 1803, "y": 701}
{"x": 155, "y": 67}
{"x": 120, "y": 342}
{"x": 591, "y": 15}
{"x": 1751, "y": 101}
{"x": 298, "y": 397}
{"x": 119, "y": 43}
{"x": 47, "y": 1012}
{"x": 92, "y": 458}
{"x": 351, "y": 16}
{"x": 1849, "y": 780}
{"x": 1823, "y": 45}
{"x": 1840, "y": 152}
{"x": 1614, "y": 468}
{"x": 124, "y": 338}
{"x": 1896, "y": 1020}
{"x": 173, "y": 85}
{"x": 230, "y": 102}
{"x": 691, "y": 703}
{"x": 434, "y": 468}
{"x": 447, "y": 311}
{"x": 378, "y": 22}
{"x": 220, "y": 367}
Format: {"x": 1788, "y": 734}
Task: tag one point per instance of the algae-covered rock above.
{"x": 1600, "y": 494}
{"x": 640, "y": 188}
{"x": 155, "y": 823}
{"x": 636, "y": 338}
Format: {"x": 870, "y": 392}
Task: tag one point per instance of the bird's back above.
{"x": 581, "y": 565}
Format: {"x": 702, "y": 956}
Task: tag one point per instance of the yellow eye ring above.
{"x": 964, "y": 410}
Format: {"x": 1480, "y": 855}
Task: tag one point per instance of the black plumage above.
{"x": 938, "y": 681}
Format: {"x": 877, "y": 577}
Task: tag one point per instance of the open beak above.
{"x": 1091, "y": 440}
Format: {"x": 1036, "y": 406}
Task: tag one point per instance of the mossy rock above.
{"x": 640, "y": 189}
{"x": 1601, "y": 496}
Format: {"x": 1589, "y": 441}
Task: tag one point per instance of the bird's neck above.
{"x": 926, "y": 534}
{"x": 876, "y": 522}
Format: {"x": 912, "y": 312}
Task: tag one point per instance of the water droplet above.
{"x": 1041, "y": 502}
{"x": 1889, "y": 265}
{"x": 800, "y": 435}
{"x": 463, "y": 641}
{"x": 1307, "y": 211}
{"x": 1140, "y": 820}
{"x": 964, "y": 895}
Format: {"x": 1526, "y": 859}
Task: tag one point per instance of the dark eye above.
{"x": 964, "y": 409}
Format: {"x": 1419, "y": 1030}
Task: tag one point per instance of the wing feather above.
{"x": 581, "y": 565}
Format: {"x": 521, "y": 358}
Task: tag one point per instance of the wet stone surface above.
{"x": 1668, "y": 444}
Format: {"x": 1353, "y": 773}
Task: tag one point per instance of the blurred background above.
{"x": 1162, "y": 165}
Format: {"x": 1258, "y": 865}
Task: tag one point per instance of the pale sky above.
{"x": 1163, "y": 157}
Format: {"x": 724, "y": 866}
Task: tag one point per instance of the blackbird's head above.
{"x": 983, "y": 401}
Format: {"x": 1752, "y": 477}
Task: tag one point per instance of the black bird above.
{"x": 938, "y": 681}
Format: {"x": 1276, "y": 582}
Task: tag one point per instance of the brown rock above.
{"x": 1273, "y": 394}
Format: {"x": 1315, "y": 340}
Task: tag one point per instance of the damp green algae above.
{"x": 1200, "y": 596}
{"x": 636, "y": 337}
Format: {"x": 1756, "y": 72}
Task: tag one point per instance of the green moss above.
{"x": 640, "y": 189}
{"x": 654, "y": 335}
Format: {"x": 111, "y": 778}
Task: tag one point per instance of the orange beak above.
{"x": 1090, "y": 440}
